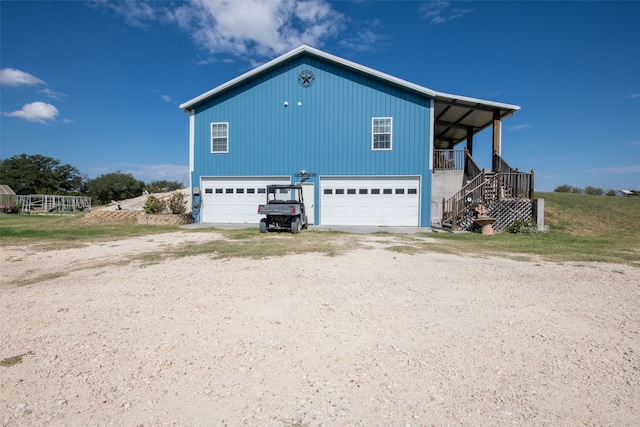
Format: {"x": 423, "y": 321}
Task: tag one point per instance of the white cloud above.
{"x": 13, "y": 77}
{"x": 135, "y": 13}
{"x": 440, "y": 11}
{"x": 52, "y": 94}
{"x": 240, "y": 28}
{"x": 207, "y": 61}
{"x": 632, "y": 96}
{"x": 148, "y": 173}
{"x": 39, "y": 112}
{"x": 518, "y": 127}
{"x": 166, "y": 98}
{"x": 370, "y": 38}
{"x": 615, "y": 170}
{"x": 258, "y": 27}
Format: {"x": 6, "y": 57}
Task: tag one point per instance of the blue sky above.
{"x": 97, "y": 84}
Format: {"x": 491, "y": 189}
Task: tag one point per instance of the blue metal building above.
{"x": 364, "y": 140}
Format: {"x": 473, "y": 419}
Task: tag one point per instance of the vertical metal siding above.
{"x": 330, "y": 133}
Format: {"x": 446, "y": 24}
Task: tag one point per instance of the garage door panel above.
{"x": 235, "y": 199}
{"x": 370, "y": 201}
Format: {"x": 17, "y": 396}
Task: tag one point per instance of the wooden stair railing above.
{"x": 519, "y": 184}
{"x": 506, "y": 193}
{"x": 456, "y": 211}
{"x": 471, "y": 168}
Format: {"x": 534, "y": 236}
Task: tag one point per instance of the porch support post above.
{"x": 470, "y": 140}
{"x": 497, "y": 143}
{"x": 497, "y": 133}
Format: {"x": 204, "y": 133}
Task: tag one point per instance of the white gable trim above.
{"x": 345, "y": 63}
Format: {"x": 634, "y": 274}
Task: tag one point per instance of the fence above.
{"x": 46, "y": 203}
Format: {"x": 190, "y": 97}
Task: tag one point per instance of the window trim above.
{"x": 373, "y": 133}
{"x": 226, "y": 137}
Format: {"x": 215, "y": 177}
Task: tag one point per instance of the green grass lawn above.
{"x": 581, "y": 228}
{"x": 61, "y": 231}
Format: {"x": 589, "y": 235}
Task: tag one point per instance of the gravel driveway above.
{"x": 367, "y": 338}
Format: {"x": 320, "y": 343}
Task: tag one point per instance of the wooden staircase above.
{"x": 506, "y": 193}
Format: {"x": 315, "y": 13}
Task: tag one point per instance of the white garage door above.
{"x": 235, "y": 199}
{"x": 370, "y": 201}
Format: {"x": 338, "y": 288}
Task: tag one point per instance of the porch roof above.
{"x": 454, "y": 115}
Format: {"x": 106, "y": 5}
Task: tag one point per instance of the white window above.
{"x": 220, "y": 137}
{"x": 381, "y": 133}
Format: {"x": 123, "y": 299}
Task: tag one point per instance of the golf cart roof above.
{"x": 283, "y": 187}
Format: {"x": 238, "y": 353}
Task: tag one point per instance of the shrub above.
{"x": 177, "y": 203}
{"x": 521, "y": 225}
{"x": 153, "y": 205}
{"x": 9, "y": 209}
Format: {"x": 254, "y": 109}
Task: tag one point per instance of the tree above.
{"x": 163, "y": 186}
{"x": 565, "y": 188}
{"x": 38, "y": 174}
{"x": 593, "y": 191}
{"x": 114, "y": 186}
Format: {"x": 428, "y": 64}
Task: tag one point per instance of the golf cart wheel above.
{"x": 295, "y": 226}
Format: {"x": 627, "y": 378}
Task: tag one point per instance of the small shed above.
{"x": 625, "y": 193}
{"x": 7, "y": 196}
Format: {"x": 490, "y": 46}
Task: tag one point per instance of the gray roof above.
{"x": 5, "y": 189}
{"x": 453, "y": 114}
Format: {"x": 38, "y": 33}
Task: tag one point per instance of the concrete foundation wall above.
{"x": 444, "y": 185}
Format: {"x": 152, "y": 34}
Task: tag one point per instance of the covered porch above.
{"x": 459, "y": 184}
{"x": 458, "y": 120}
